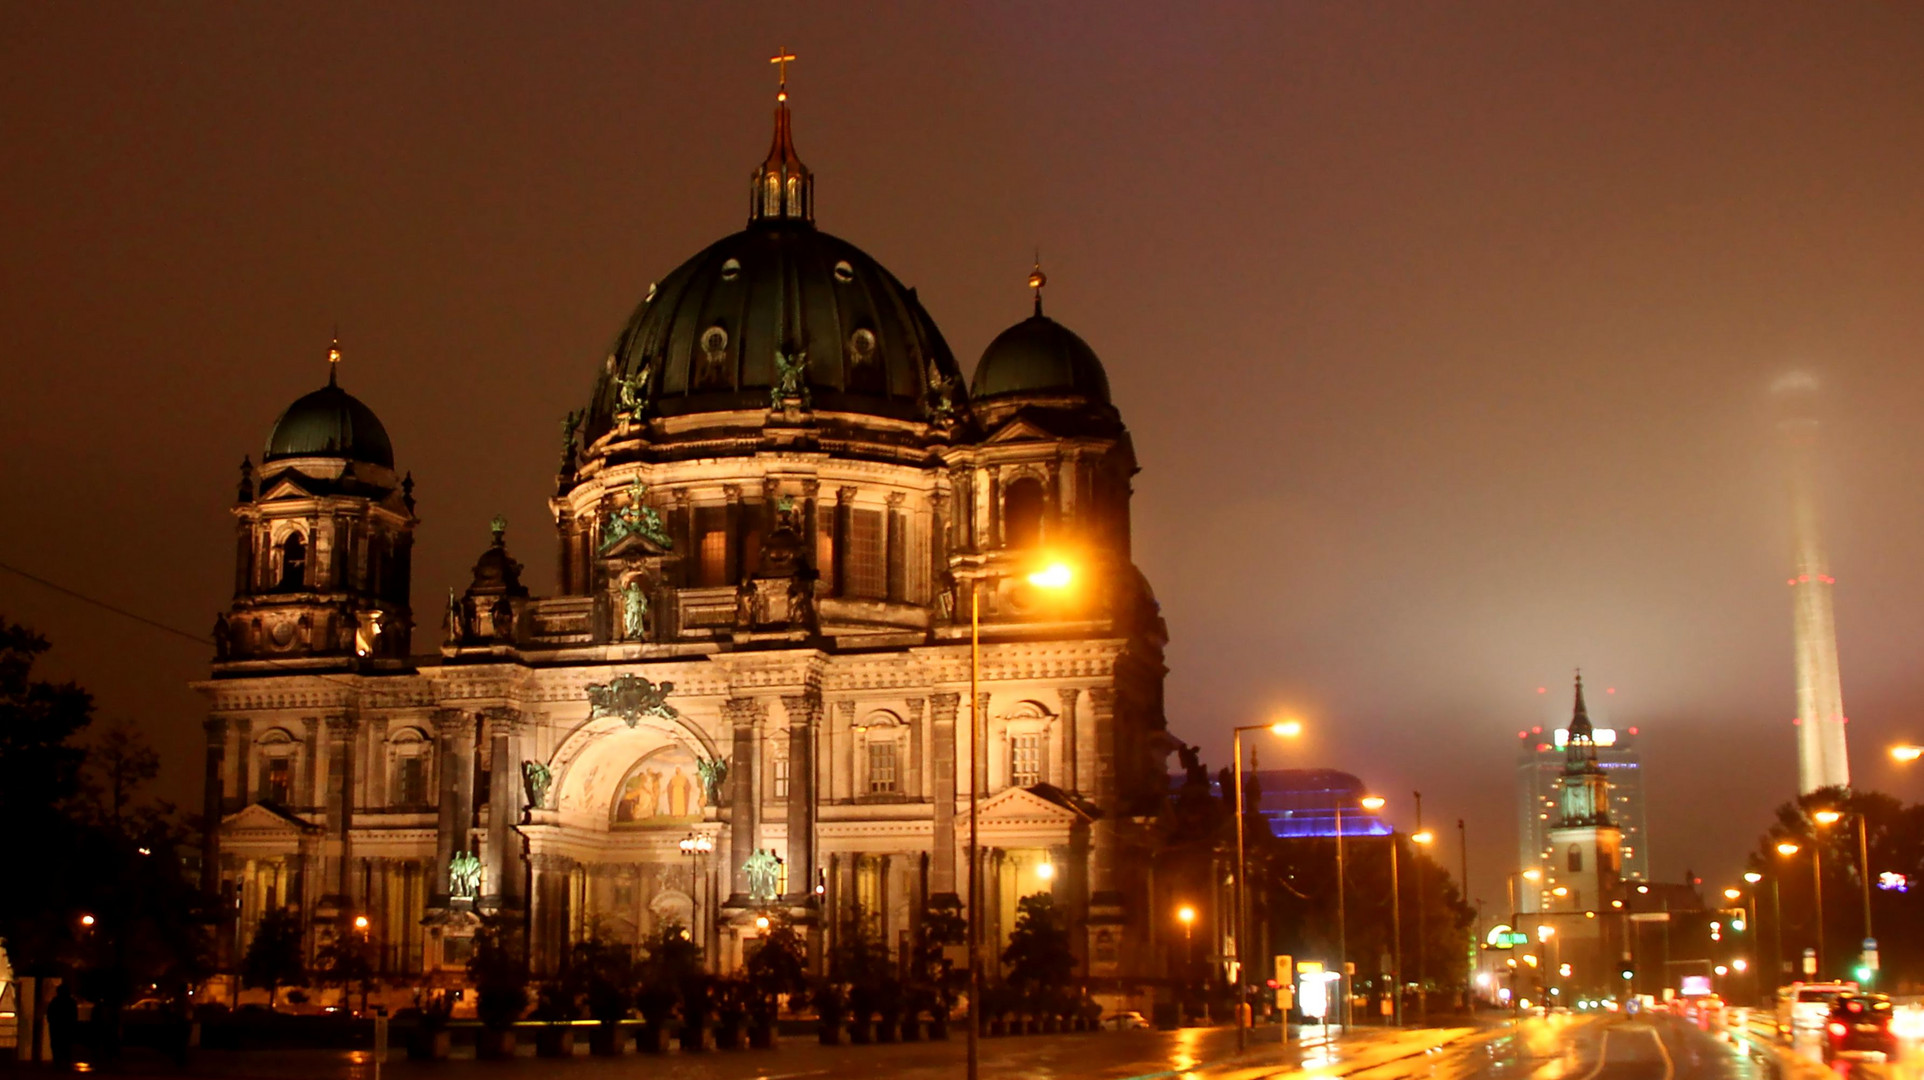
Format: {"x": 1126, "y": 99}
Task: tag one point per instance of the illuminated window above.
{"x": 867, "y": 571}
{"x": 1022, "y": 513}
{"x": 781, "y": 778}
{"x": 825, "y": 557}
{"x": 1574, "y": 859}
{"x": 714, "y": 557}
{"x": 1025, "y": 760}
{"x": 277, "y": 780}
{"x": 882, "y": 767}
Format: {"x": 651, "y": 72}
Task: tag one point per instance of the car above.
{"x": 1125, "y": 1021}
{"x": 1860, "y": 1024}
{"x": 1805, "y": 1007}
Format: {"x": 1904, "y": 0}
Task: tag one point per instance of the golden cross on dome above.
{"x": 333, "y": 357}
{"x": 781, "y": 60}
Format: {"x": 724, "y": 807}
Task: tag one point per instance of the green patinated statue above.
{"x": 635, "y": 519}
{"x": 464, "y": 876}
{"x": 631, "y": 697}
{"x": 714, "y": 773}
{"x": 764, "y": 873}
{"x": 538, "y": 776}
{"x": 791, "y": 380}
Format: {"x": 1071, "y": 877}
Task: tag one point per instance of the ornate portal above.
{"x": 631, "y": 697}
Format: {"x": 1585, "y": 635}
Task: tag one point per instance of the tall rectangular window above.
{"x": 1025, "y": 760}
{"x": 868, "y": 572}
{"x": 714, "y": 557}
{"x": 781, "y": 778}
{"x": 410, "y": 781}
{"x": 825, "y": 557}
{"x": 277, "y": 781}
{"x": 881, "y": 767}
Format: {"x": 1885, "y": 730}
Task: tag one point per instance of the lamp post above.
{"x": 1186, "y": 915}
{"x": 694, "y": 846}
{"x": 1425, "y": 837}
{"x": 1055, "y": 575}
{"x": 1374, "y": 803}
{"x": 1283, "y": 729}
{"x": 1787, "y": 848}
{"x": 1831, "y": 817}
{"x": 1342, "y": 924}
{"x": 1531, "y": 875}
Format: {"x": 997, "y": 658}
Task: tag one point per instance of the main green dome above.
{"x": 706, "y": 337}
{"x": 330, "y": 422}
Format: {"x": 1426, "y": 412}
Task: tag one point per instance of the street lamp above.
{"x": 694, "y": 846}
{"x": 1831, "y": 817}
{"x": 1055, "y": 575}
{"x": 1787, "y": 848}
{"x": 1906, "y": 754}
{"x": 1287, "y": 729}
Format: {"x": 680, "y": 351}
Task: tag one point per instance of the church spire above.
{"x": 782, "y": 187}
{"x": 1581, "y": 748}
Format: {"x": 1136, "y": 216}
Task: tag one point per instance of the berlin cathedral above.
{"x": 775, "y": 516}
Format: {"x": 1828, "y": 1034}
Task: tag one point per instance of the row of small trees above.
{"x": 662, "y": 979}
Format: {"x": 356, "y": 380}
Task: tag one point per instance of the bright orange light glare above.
{"x": 1288, "y": 729}
{"x": 1056, "y": 575}
{"x": 1732, "y": 894}
{"x": 360, "y": 922}
{"x": 1372, "y": 802}
{"x": 1906, "y": 753}
{"x": 1753, "y": 876}
{"x": 1826, "y": 817}
{"x": 1186, "y": 913}
{"x": 1788, "y": 848}
{"x": 1533, "y": 875}
{"x": 1424, "y": 837}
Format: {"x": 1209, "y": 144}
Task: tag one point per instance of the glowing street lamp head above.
{"x": 1424, "y": 837}
{"x": 1372, "y": 802}
{"x": 1533, "y": 875}
{"x": 1732, "y": 894}
{"x": 1288, "y": 729}
{"x": 1056, "y": 575}
{"x": 1788, "y": 847}
{"x": 1826, "y": 817}
{"x": 1045, "y": 871}
{"x": 1186, "y": 914}
{"x": 360, "y": 922}
{"x": 1906, "y": 753}
{"x": 86, "y": 920}
{"x": 1558, "y": 891}
{"x": 1753, "y": 876}
{"x": 761, "y": 922}
{"x": 1740, "y": 965}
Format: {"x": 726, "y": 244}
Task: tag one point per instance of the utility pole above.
{"x": 1422, "y": 990}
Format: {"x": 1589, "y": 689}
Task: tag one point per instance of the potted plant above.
{"x": 831, "y": 1014}
{"x": 774, "y": 969}
{"x": 603, "y": 973}
{"x": 731, "y": 1013}
{"x": 555, "y": 1007}
{"x": 669, "y": 957}
{"x": 888, "y": 1011}
{"x": 657, "y": 1006}
{"x": 430, "y": 1039}
{"x": 499, "y": 970}
{"x": 697, "y": 1013}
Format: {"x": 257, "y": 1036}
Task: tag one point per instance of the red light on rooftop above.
{"x": 1536, "y": 731}
{"x": 1796, "y": 721}
{"x": 1543, "y": 690}
{"x": 1633, "y": 731}
{"x": 1542, "y": 746}
{"x": 1792, "y": 581}
{"x": 1610, "y": 690}
{"x": 1522, "y": 734}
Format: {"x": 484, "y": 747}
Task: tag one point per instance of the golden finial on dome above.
{"x": 1037, "y": 279}
{"x": 333, "y": 357}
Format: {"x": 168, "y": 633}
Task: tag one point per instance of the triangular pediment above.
{"x": 262, "y": 818}
{"x": 286, "y": 486}
{"x": 633, "y": 545}
{"x": 1015, "y": 805}
{"x": 1021, "y": 429}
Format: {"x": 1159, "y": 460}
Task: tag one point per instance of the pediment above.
{"x": 634, "y": 545}
{"x": 286, "y": 486}
{"x": 260, "y": 818}
{"x": 1023, "y": 806}
{"x": 1021, "y": 429}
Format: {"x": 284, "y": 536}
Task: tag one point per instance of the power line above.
{"x": 121, "y": 611}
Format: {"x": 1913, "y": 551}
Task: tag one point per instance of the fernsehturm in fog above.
{"x": 1821, "y": 759}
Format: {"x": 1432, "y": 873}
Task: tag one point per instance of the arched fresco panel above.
{"x": 662, "y": 789}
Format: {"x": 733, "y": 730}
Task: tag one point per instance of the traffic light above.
{"x": 1628, "y": 972}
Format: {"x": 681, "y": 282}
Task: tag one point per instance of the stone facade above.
{"x": 761, "y": 641}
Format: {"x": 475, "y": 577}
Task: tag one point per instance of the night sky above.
{"x": 1443, "y": 330}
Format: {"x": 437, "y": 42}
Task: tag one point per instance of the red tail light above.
{"x": 1837, "y": 1028}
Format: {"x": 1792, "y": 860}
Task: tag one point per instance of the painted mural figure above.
{"x": 661, "y": 789}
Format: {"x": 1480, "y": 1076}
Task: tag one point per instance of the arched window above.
{"x": 408, "y": 783}
{"x": 1574, "y": 859}
{"x": 1022, "y": 513}
{"x": 278, "y": 756}
{"x": 293, "y": 563}
{"x": 883, "y": 754}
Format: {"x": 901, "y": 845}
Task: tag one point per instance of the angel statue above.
{"x": 631, "y": 393}
{"x": 790, "y": 381}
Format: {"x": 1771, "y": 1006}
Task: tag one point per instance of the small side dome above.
{"x": 330, "y": 422}
{"x": 1039, "y": 357}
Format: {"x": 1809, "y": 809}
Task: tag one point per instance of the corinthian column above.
{"x": 804, "y": 711}
{"x": 744, "y": 717}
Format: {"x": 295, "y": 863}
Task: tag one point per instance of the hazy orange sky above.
{"x": 1443, "y": 330}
